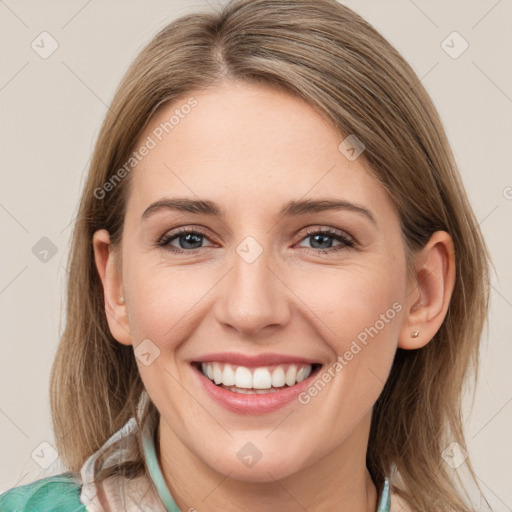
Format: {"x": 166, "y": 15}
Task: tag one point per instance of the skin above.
{"x": 251, "y": 149}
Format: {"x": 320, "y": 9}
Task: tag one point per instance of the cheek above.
{"x": 362, "y": 309}
{"x": 356, "y": 302}
{"x": 163, "y": 300}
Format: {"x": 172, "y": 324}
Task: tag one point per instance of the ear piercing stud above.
{"x": 415, "y": 334}
{"x": 121, "y": 300}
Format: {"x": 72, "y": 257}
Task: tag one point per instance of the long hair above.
{"x": 328, "y": 55}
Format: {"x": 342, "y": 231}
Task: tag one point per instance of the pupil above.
{"x": 188, "y": 240}
{"x": 324, "y": 237}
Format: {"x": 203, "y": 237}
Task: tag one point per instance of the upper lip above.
{"x": 253, "y": 360}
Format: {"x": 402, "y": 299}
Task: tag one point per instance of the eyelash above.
{"x": 346, "y": 242}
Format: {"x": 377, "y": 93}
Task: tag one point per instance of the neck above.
{"x": 337, "y": 481}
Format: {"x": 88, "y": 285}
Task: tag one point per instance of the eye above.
{"x": 322, "y": 240}
{"x": 187, "y": 240}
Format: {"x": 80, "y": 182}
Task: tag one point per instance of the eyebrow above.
{"x": 290, "y": 209}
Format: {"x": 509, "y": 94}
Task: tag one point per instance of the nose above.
{"x": 253, "y": 299}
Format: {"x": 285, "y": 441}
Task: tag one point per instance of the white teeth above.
{"x": 228, "y": 377}
{"x": 217, "y": 373}
{"x": 243, "y": 378}
{"x": 251, "y": 391}
{"x": 262, "y": 378}
{"x": 291, "y": 375}
{"x": 278, "y": 378}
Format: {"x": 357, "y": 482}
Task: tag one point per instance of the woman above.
{"x": 308, "y": 350}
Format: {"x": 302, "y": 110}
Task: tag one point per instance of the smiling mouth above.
{"x": 258, "y": 380}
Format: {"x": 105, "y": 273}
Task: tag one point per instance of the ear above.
{"x": 431, "y": 286}
{"x": 108, "y": 266}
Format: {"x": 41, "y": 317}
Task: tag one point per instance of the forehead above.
{"x": 251, "y": 145}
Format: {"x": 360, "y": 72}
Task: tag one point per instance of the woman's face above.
{"x": 257, "y": 285}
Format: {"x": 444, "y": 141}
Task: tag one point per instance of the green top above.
{"x": 61, "y": 493}
{"x": 58, "y": 493}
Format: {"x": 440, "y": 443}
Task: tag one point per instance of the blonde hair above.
{"x": 328, "y": 55}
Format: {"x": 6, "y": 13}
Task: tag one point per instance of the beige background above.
{"x": 51, "y": 111}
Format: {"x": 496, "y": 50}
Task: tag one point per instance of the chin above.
{"x": 264, "y": 470}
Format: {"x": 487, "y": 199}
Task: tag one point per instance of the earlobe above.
{"x": 431, "y": 289}
{"x": 106, "y": 260}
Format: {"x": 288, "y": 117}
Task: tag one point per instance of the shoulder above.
{"x": 59, "y": 493}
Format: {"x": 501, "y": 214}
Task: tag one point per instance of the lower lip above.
{"x": 253, "y": 403}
